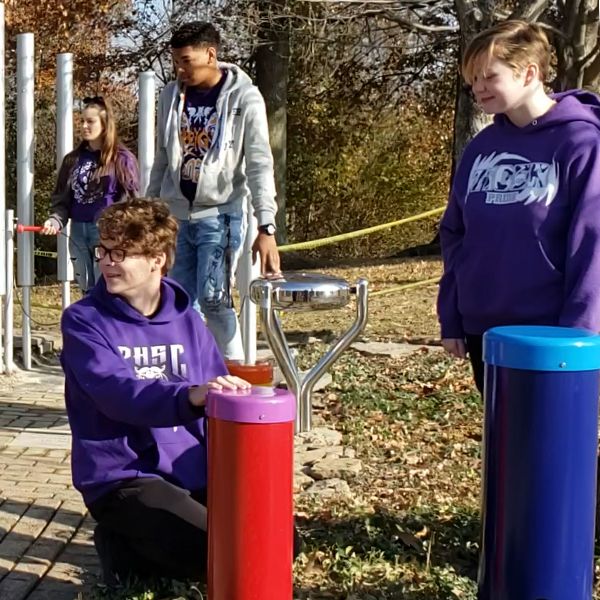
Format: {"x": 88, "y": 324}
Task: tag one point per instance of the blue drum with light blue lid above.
{"x": 539, "y": 463}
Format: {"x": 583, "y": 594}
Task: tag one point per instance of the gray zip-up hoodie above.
{"x": 239, "y": 161}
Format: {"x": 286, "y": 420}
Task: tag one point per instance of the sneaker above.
{"x": 105, "y": 547}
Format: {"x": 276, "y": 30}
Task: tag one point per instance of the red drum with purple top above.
{"x": 250, "y": 494}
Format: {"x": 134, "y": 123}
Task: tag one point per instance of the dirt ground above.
{"x": 404, "y": 315}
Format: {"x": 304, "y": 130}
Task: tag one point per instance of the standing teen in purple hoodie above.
{"x": 99, "y": 172}
{"x": 138, "y": 362}
{"x": 521, "y": 234}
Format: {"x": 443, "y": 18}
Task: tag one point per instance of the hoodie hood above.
{"x": 235, "y": 78}
{"x": 174, "y": 301}
{"x": 235, "y": 81}
{"x": 571, "y": 106}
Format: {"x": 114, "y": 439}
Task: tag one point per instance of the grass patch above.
{"x": 161, "y": 589}
{"x": 412, "y": 526}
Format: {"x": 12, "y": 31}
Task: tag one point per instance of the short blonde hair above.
{"x": 141, "y": 223}
{"x": 517, "y": 43}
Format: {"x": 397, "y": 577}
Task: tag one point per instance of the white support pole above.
{"x": 8, "y": 305}
{"x": 3, "y": 256}
{"x": 25, "y": 152}
{"x": 146, "y": 118}
{"x": 245, "y": 274}
{"x": 64, "y": 145}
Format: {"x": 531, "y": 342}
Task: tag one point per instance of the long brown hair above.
{"x": 111, "y": 145}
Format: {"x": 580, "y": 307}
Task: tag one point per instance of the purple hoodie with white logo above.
{"x": 521, "y": 233}
{"x": 126, "y": 390}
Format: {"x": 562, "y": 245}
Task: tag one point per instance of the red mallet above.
{"x": 31, "y": 228}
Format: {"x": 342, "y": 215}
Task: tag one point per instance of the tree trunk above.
{"x": 272, "y": 70}
{"x": 578, "y": 59}
{"x": 468, "y": 117}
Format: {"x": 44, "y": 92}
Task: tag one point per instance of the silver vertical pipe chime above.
{"x": 25, "y": 161}
{"x": 9, "y": 316}
{"x": 64, "y": 145}
{"x": 146, "y": 117}
{"x": 248, "y": 271}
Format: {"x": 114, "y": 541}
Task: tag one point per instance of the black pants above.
{"x": 148, "y": 527}
{"x": 475, "y": 350}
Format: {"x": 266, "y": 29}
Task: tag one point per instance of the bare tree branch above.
{"x": 365, "y": 2}
{"x": 396, "y": 18}
{"x": 590, "y": 57}
{"x": 529, "y": 11}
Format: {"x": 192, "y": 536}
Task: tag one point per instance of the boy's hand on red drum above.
{"x": 228, "y": 382}
{"x": 197, "y": 393}
{"x": 455, "y": 346}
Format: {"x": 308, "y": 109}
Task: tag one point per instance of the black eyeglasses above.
{"x": 94, "y": 100}
{"x": 115, "y": 255}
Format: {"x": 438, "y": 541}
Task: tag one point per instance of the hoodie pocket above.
{"x": 100, "y": 461}
{"x": 224, "y": 180}
{"x": 214, "y": 185}
{"x": 507, "y": 280}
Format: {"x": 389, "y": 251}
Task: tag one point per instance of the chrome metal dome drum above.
{"x": 306, "y": 292}
{"x": 303, "y": 292}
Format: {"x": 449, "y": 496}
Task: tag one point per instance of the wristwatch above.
{"x": 267, "y": 229}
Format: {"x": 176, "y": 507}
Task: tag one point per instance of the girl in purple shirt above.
{"x": 99, "y": 172}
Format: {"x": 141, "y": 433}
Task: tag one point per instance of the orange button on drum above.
{"x": 260, "y": 373}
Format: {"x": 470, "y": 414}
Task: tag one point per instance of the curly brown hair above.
{"x": 144, "y": 224}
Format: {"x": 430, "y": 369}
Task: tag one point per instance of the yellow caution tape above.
{"x": 34, "y": 305}
{"x": 346, "y": 236}
{"x": 399, "y": 288}
{"x": 407, "y": 286}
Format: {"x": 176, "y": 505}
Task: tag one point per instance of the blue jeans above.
{"x": 205, "y": 259}
{"x": 83, "y": 238}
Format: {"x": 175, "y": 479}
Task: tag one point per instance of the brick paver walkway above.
{"x": 46, "y": 552}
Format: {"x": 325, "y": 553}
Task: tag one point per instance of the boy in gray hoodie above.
{"x": 213, "y": 153}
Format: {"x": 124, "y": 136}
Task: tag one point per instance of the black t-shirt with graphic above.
{"x": 198, "y": 126}
{"x": 90, "y": 196}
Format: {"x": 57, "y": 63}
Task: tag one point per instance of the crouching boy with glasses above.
{"x": 138, "y": 363}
